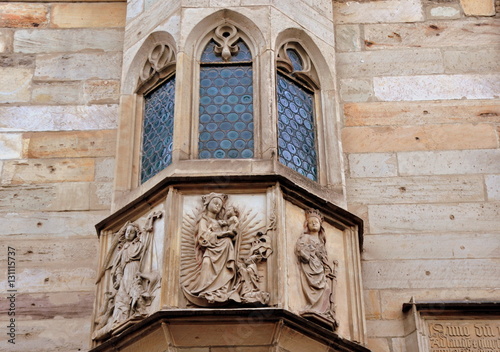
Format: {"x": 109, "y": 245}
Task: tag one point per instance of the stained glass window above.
{"x": 226, "y": 105}
{"x": 296, "y": 131}
{"x": 158, "y": 130}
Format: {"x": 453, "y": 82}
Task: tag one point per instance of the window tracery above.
{"x": 296, "y": 85}
{"x": 157, "y": 84}
{"x": 226, "y": 127}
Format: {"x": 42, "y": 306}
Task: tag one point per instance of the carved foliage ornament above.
{"x": 222, "y": 248}
{"x": 304, "y": 71}
{"x": 132, "y": 285}
{"x": 317, "y": 274}
{"x": 159, "y": 64}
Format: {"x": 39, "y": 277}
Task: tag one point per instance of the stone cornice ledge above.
{"x": 280, "y": 317}
{"x": 454, "y": 307}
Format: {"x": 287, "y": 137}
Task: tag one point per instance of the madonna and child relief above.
{"x": 223, "y": 245}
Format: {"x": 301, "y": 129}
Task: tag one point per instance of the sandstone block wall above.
{"x": 419, "y": 101}
{"x": 420, "y": 84}
{"x": 60, "y": 67}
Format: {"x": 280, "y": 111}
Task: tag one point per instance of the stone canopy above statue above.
{"x": 257, "y": 247}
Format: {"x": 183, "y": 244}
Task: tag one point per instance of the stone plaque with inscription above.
{"x": 464, "y": 335}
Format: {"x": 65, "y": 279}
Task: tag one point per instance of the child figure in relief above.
{"x": 315, "y": 273}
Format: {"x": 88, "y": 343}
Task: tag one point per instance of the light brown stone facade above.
{"x": 414, "y": 110}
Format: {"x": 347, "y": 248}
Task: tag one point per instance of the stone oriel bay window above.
{"x": 223, "y": 102}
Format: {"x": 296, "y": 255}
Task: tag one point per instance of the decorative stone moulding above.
{"x": 249, "y": 251}
{"x": 160, "y": 64}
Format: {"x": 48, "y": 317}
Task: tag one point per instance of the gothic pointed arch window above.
{"x": 157, "y": 85}
{"x": 296, "y": 90}
{"x": 226, "y": 124}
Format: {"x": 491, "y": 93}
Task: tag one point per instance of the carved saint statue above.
{"x": 132, "y": 284}
{"x": 217, "y": 267}
{"x": 316, "y": 274}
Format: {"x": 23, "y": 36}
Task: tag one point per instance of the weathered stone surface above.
{"x": 431, "y": 218}
{"x": 421, "y": 113}
{"x": 52, "y": 335}
{"x": 378, "y": 344}
{"x": 77, "y": 15}
{"x": 56, "y": 93}
{"x": 101, "y": 194}
{"x": 373, "y": 165}
{"x": 449, "y": 162}
{"x": 32, "y": 171}
{"x": 11, "y": 146}
{"x": 444, "y": 274}
{"x": 347, "y": 37}
{"x": 6, "y": 40}
{"x": 428, "y": 137}
{"x": 291, "y": 340}
{"x": 51, "y": 305}
{"x": 71, "y": 144}
{"x": 66, "y": 196}
{"x": 305, "y": 15}
{"x": 381, "y": 328}
{"x": 62, "y": 252}
{"x": 23, "y": 15}
{"x": 37, "y": 225}
{"x": 418, "y": 189}
{"x": 443, "y": 11}
{"x": 492, "y": 187}
{"x": 101, "y": 92}
{"x": 436, "y": 87}
{"x": 51, "y": 279}
{"x": 378, "y": 11}
{"x": 432, "y": 34}
{"x": 23, "y": 198}
{"x": 372, "y": 304}
{"x": 379, "y": 63}
{"x": 58, "y": 118}
{"x": 476, "y": 61}
{"x": 17, "y": 60}
{"x": 478, "y": 7}
{"x": 208, "y": 334}
{"x": 134, "y": 9}
{"x": 67, "y": 40}
{"x": 15, "y": 84}
{"x": 78, "y": 66}
{"x": 392, "y": 300}
{"x": 431, "y": 246}
{"x": 105, "y": 169}
{"x": 356, "y": 90}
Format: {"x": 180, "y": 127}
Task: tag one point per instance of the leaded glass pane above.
{"x": 296, "y": 135}
{"x": 158, "y": 130}
{"x": 226, "y": 112}
{"x": 209, "y": 55}
{"x": 295, "y": 59}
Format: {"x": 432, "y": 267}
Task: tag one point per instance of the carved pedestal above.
{"x": 267, "y": 261}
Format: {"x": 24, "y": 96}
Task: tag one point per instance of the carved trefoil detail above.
{"x": 132, "y": 284}
{"x": 317, "y": 273}
{"x": 222, "y": 248}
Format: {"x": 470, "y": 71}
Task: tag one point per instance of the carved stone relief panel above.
{"x": 317, "y": 267}
{"x": 226, "y": 241}
{"x": 129, "y": 277}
